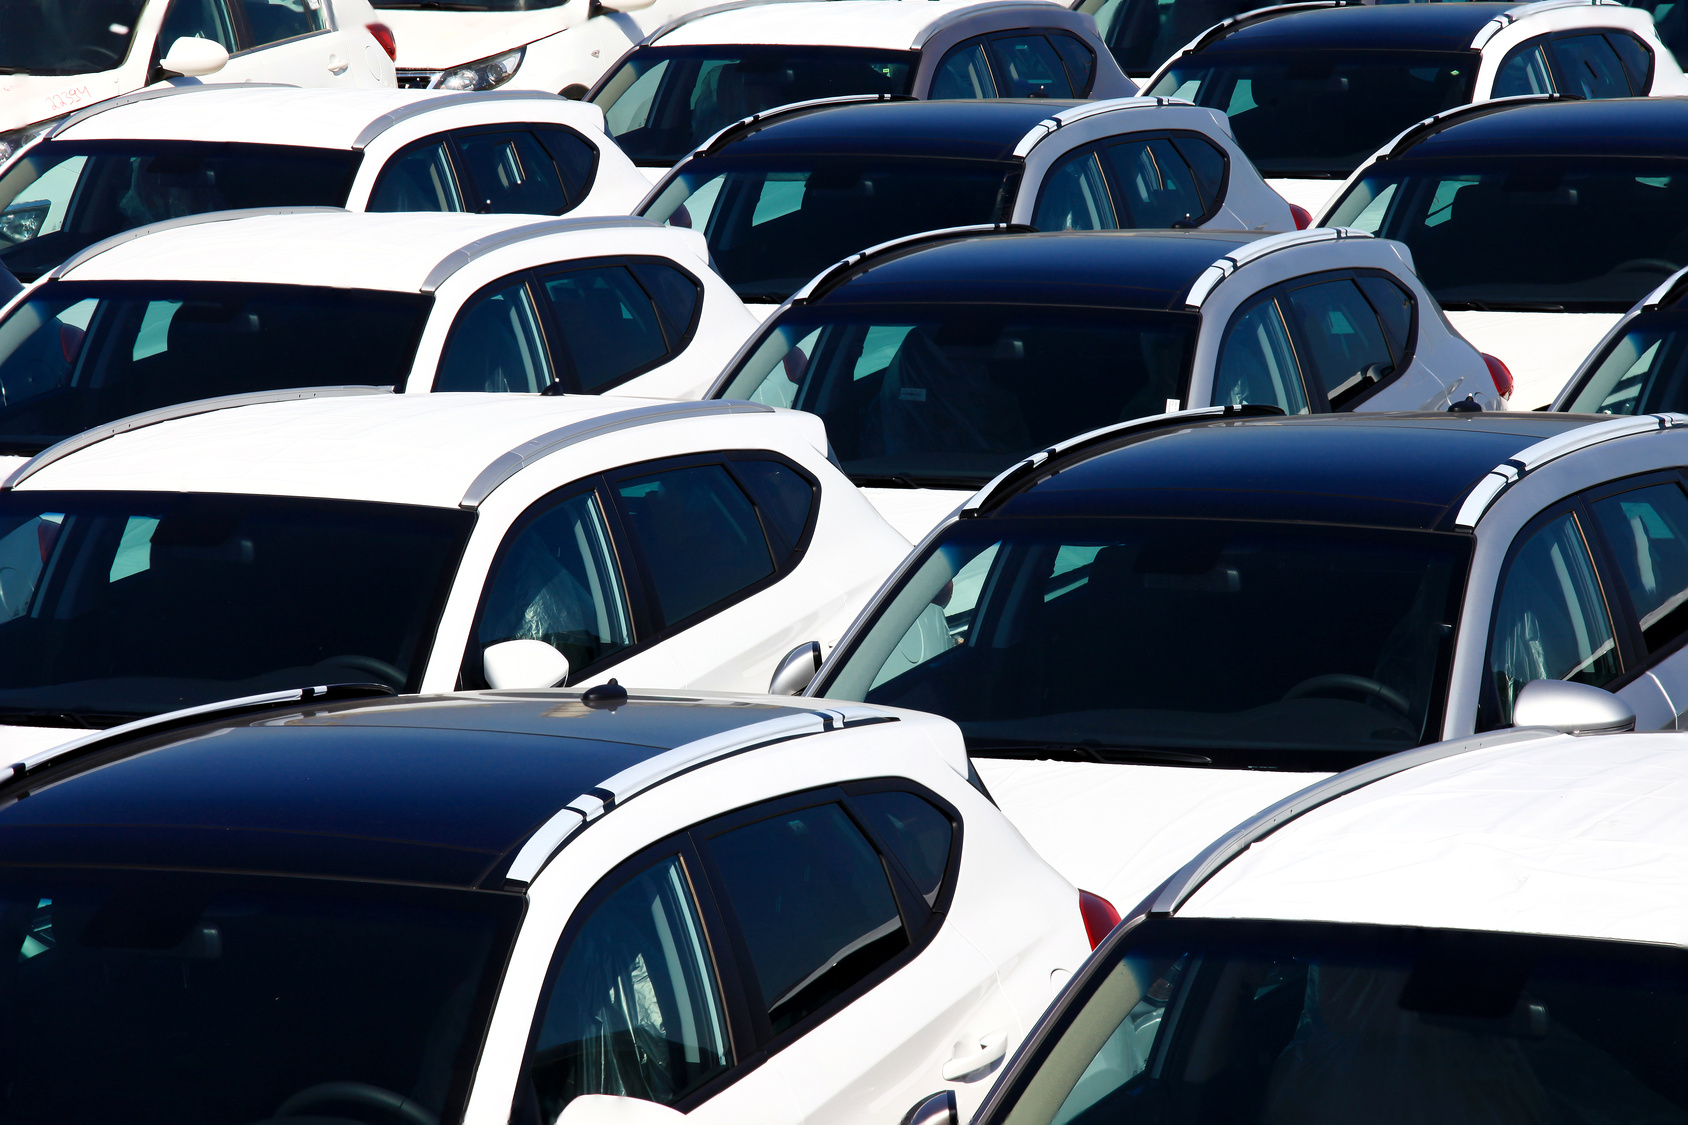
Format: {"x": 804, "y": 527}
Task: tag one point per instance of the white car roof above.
{"x": 836, "y": 23}
{"x": 1576, "y": 836}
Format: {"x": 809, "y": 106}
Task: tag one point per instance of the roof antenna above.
{"x": 605, "y": 697}
{"x": 1467, "y": 405}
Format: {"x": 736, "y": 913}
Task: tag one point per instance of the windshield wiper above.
{"x": 81, "y": 720}
{"x": 911, "y": 480}
{"x": 1094, "y": 751}
{"x": 13, "y": 70}
{"x": 435, "y": 6}
{"x": 1502, "y": 306}
{"x": 763, "y": 298}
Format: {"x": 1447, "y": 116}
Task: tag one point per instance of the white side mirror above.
{"x": 1571, "y": 708}
{"x": 623, "y": 5}
{"x": 524, "y": 664}
{"x": 608, "y": 1109}
{"x": 193, "y": 57}
{"x": 796, "y": 670}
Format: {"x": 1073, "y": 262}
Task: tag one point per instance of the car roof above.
{"x": 1388, "y": 470}
{"x": 976, "y": 129}
{"x": 432, "y": 789}
{"x": 1616, "y": 127}
{"x": 1396, "y": 27}
{"x": 1116, "y": 269}
{"x": 831, "y": 23}
{"x": 1578, "y": 836}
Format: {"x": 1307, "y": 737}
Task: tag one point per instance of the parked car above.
{"x": 1313, "y": 90}
{"x": 57, "y": 57}
{"x": 940, "y": 361}
{"x": 783, "y": 196}
{"x": 507, "y": 906}
{"x": 1638, "y": 367}
{"x": 1536, "y": 225}
{"x": 422, "y": 542}
{"x": 689, "y": 80}
{"x": 164, "y": 154}
{"x": 1486, "y": 930}
{"x": 236, "y": 302}
{"x": 1149, "y": 634}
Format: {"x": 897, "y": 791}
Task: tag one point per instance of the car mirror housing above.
{"x": 193, "y": 57}
{"x": 610, "y": 1109}
{"x": 524, "y": 664}
{"x": 796, "y": 670}
{"x": 1571, "y": 708}
{"x": 622, "y": 5}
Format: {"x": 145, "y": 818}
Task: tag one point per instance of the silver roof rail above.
{"x": 525, "y": 454}
{"x": 1414, "y": 133}
{"x": 1219, "y": 29}
{"x": 1036, "y": 135}
{"x": 116, "y": 240}
{"x": 1498, "y": 479}
{"x": 1523, "y": 12}
{"x": 861, "y": 256}
{"x": 681, "y": 21}
{"x": 427, "y": 105}
{"x": 1189, "y": 879}
{"x": 459, "y": 258}
{"x": 1204, "y": 285}
{"x": 86, "y": 438}
{"x": 708, "y": 146}
{"x": 122, "y": 100}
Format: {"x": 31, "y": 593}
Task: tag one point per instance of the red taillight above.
{"x": 1500, "y": 374}
{"x": 1099, "y": 916}
{"x": 1303, "y": 217}
{"x": 384, "y": 36}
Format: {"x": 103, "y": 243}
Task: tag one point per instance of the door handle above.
{"x": 983, "y": 1052}
{"x": 336, "y": 64}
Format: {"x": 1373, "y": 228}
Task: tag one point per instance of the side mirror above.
{"x": 193, "y": 57}
{"x": 1571, "y": 708}
{"x": 574, "y": 92}
{"x": 524, "y": 664}
{"x": 796, "y": 670}
{"x": 938, "y": 1109}
{"x": 609, "y": 1109}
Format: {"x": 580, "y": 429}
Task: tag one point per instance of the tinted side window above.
{"x": 1589, "y": 67}
{"x": 677, "y": 297}
{"x": 915, "y": 831}
{"x": 420, "y": 179}
{"x": 785, "y": 497}
{"x": 607, "y": 322}
{"x": 814, "y": 905}
{"x": 1394, "y": 307}
{"x": 1525, "y": 71}
{"x": 1156, "y": 189}
{"x": 1080, "y": 60}
{"x": 1207, "y": 163}
{"x": 271, "y": 21}
{"x": 1637, "y": 60}
{"x": 1075, "y": 196}
{"x": 1647, "y": 531}
{"x": 513, "y": 174}
{"x": 964, "y": 73}
{"x": 1257, "y": 362}
{"x": 496, "y": 345}
{"x": 197, "y": 19}
{"x": 1342, "y": 335}
{"x": 1026, "y": 66}
{"x": 574, "y": 156}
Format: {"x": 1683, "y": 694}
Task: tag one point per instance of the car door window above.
{"x": 271, "y": 21}
{"x": 964, "y": 73}
{"x": 1343, "y": 338}
{"x": 1075, "y": 196}
{"x": 556, "y": 581}
{"x": 607, "y": 324}
{"x": 1207, "y": 164}
{"x": 698, "y": 537}
{"x": 1080, "y": 60}
{"x": 1524, "y": 71}
{"x": 197, "y": 19}
{"x": 1394, "y": 307}
{"x": 813, "y": 904}
{"x": 677, "y": 295}
{"x": 915, "y": 831}
{"x": 634, "y": 1007}
{"x": 513, "y": 174}
{"x": 1257, "y": 362}
{"x": 574, "y": 156}
{"x": 496, "y": 345}
{"x": 1647, "y": 531}
{"x": 1156, "y": 189}
{"x": 785, "y": 497}
{"x": 1551, "y": 621}
{"x": 1637, "y": 60}
{"x": 1588, "y": 67}
{"x": 421, "y": 178}
{"x": 1027, "y": 66}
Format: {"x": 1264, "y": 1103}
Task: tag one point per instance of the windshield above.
{"x": 60, "y": 37}
{"x": 158, "y": 998}
{"x": 1619, "y": 228}
{"x": 80, "y": 354}
{"x": 1142, "y": 34}
{"x": 666, "y": 101}
{"x": 66, "y": 195}
{"x": 948, "y": 396}
{"x": 1320, "y": 113}
{"x": 1176, "y": 640}
{"x": 115, "y": 605}
{"x": 1644, "y": 371}
{"x": 772, "y": 226}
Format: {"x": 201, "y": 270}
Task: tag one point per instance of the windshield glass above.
{"x": 56, "y": 37}
{"x": 1147, "y": 639}
{"x": 1208, "y": 1022}
{"x": 80, "y": 354}
{"x": 666, "y": 101}
{"x": 1320, "y": 113}
{"x": 227, "y": 1000}
{"x": 948, "y": 396}
{"x": 1620, "y": 227}
{"x": 772, "y": 226}
{"x": 65, "y": 196}
{"x": 1142, "y": 34}
{"x": 115, "y": 605}
{"x": 1644, "y": 371}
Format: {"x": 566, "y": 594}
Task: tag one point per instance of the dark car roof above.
{"x": 1388, "y": 470}
{"x": 436, "y": 789}
{"x": 1115, "y": 269}
{"x": 977, "y": 129}
{"x": 1615, "y": 127}
{"x": 1395, "y": 27}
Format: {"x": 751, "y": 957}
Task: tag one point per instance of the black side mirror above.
{"x": 575, "y": 91}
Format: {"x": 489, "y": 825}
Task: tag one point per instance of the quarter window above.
{"x": 677, "y": 297}
{"x": 1647, "y": 531}
{"x": 1589, "y": 67}
{"x": 785, "y": 497}
{"x": 1394, "y": 307}
{"x": 915, "y": 832}
{"x": 1027, "y": 66}
{"x": 496, "y": 345}
{"x": 421, "y": 179}
{"x": 1637, "y": 60}
{"x": 575, "y": 158}
{"x": 1080, "y": 60}
{"x": 513, "y": 174}
{"x": 1257, "y": 362}
{"x": 1344, "y": 340}
{"x": 607, "y": 324}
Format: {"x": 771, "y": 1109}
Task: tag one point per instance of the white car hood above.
{"x": 1311, "y": 194}
{"x": 20, "y": 742}
{"x": 915, "y": 511}
{"x": 1119, "y": 830}
{"x": 28, "y": 98}
{"x": 1541, "y": 349}
{"x": 437, "y": 40}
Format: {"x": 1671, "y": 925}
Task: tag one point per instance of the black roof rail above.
{"x": 1674, "y": 288}
{"x": 840, "y": 272}
{"x": 1256, "y": 15}
{"x": 738, "y": 128}
{"x": 1430, "y": 126}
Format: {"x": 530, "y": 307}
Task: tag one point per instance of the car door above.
{"x": 197, "y": 19}
{"x": 1258, "y": 360}
{"x": 290, "y": 41}
{"x": 1339, "y": 321}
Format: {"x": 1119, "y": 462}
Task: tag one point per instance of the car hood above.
{"x": 1541, "y": 349}
{"x": 1121, "y": 830}
{"x": 28, "y": 98}
{"x": 437, "y": 40}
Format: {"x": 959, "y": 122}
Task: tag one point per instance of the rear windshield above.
{"x": 65, "y": 36}
{"x": 666, "y": 101}
{"x": 67, "y": 195}
{"x": 1320, "y": 113}
{"x": 774, "y": 224}
{"x": 948, "y": 396}
{"x": 80, "y": 354}
{"x": 1643, "y": 371}
{"x": 1619, "y": 228}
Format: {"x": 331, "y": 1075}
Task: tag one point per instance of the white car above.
{"x": 234, "y": 302}
{"x": 1637, "y": 368}
{"x": 421, "y": 542}
{"x": 700, "y": 74}
{"x": 57, "y": 56}
{"x": 1490, "y": 930}
{"x": 1314, "y": 89}
{"x": 939, "y": 362}
{"x": 164, "y": 154}
{"x": 785, "y": 194}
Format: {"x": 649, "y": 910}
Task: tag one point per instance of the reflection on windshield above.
{"x": 80, "y": 354}
{"x": 60, "y": 37}
{"x": 1320, "y": 113}
{"x": 1619, "y": 228}
{"x": 466, "y": 5}
{"x": 666, "y": 101}
{"x": 1203, "y": 1023}
{"x": 1142, "y": 34}
{"x": 952, "y": 395}
{"x": 1095, "y": 639}
{"x": 1643, "y": 372}
{"x": 114, "y": 605}
{"x": 773, "y": 227}
{"x": 238, "y": 997}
